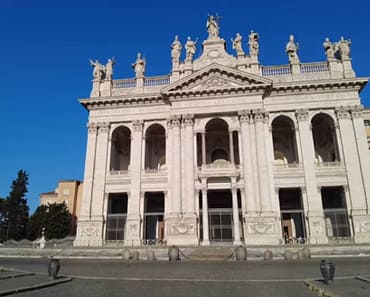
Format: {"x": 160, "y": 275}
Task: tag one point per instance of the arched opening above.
{"x": 283, "y": 137}
{"x": 217, "y": 141}
{"x": 155, "y": 147}
{"x": 120, "y": 149}
{"x": 324, "y": 138}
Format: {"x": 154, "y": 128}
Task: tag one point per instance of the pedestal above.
{"x": 132, "y": 235}
{"x": 263, "y": 229}
{"x": 317, "y": 227}
{"x": 181, "y": 231}
{"x": 361, "y": 226}
{"x": 89, "y": 232}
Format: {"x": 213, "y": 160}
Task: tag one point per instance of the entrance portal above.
{"x": 220, "y": 216}
{"x": 153, "y": 218}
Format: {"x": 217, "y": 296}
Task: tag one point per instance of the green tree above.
{"x": 16, "y": 208}
{"x": 3, "y": 222}
{"x": 55, "y": 218}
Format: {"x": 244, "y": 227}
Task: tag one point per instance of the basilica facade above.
{"x": 226, "y": 150}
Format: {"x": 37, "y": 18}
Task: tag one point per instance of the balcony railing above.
{"x": 276, "y": 70}
{"x": 155, "y": 81}
{"x": 314, "y": 67}
{"x": 118, "y": 172}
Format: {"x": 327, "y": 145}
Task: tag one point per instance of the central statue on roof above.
{"x": 212, "y": 26}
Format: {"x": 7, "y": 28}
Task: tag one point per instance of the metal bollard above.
{"x": 327, "y": 269}
{"x": 53, "y": 268}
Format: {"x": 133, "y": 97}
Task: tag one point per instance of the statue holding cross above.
{"x": 212, "y": 26}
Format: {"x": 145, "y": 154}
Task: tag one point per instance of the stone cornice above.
{"x": 320, "y": 86}
{"x": 119, "y": 101}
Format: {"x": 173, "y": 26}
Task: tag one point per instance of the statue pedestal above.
{"x": 89, "y": 232}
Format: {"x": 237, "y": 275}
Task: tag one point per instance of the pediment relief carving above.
{"x": 217, "y": 77}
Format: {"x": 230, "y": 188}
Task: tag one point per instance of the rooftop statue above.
{"x": 109, "y": 69}
{"x": 253, "y": 44}
{"x": 98, "y": 71}
{"x": 212, "y": 26}
{"x": 291, "y": 49}
{"x": 343, "y": 46}
{"x": 190, "y": 47}
{"x": 237, "y": 45}
{"x": 139, "y": 66}
{"x": 329, "y": 49}
{"x": 176, "y": 48}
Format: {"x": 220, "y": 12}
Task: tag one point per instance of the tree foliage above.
{"x": 55, "y": 218}
{"x": 15, "y": 209}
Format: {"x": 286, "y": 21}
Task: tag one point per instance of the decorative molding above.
{"x": 188, "y": 119}
{"x": 137, "y": 125}
{"x": 301, "y": 115}
{"x": 103, "y": 127}
{"x": 343, "y": 112}
{"x": 244, "y": 116}
{"x": 92, "y": 128}
{"x": 175, "y": 121}
{"x": 356, "y": 111}
{"x": 259, "y": 115}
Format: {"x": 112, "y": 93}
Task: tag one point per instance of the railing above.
{"x": 118, "y": 172}
{"x": 276, "y": 70}
{"x": 153, "y": 242}
{"x": 124, "y": 83}
{"x": 329, "y": 164}
{"x": 288, "y": 165}
{"x": 314, "y": 67}
{"x": 155, "y": 81}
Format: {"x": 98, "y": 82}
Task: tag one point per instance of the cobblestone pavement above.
{"x": 117, "y": 278}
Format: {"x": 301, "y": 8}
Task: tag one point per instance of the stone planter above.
{"x": 267, "y": 255}
{"x": 240, "y": 253}
{"x": 327, "y": 269}
{"x": 173, "y": 254}
{"x": 53, "y": 268}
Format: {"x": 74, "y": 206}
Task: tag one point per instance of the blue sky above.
{"x": 45, "y": 47}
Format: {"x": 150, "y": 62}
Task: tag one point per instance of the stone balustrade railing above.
{"x": 314, "y": 67}
{"x": 155, "y": 81}
{"x": 276, "y": 70}
{"x": 124, "y": 83}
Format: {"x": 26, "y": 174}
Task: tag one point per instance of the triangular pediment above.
{"x": 215, "y": 77}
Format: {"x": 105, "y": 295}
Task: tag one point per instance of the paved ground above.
{"x": 117, "y": 278}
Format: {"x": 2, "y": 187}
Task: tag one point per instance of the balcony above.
{"x": 219, "y": 168}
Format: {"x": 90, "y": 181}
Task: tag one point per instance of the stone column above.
{"x": 265, "y": 203}
{"x": 83, "y": 223}
{"x": 189, "y": 217}
{"x": 246, "y": 155}
{"x": 235, "y": 213}
{"x": 189, "y": 164}
{"x": 362, "y": 148}
{"x": 315, "y": 214}
{"x": 176, "y": 165}
{"x": 98, "y": 191}
{"x": 231, "y": 147}
{"x": 133, "y": 205}
{"x": 204, "y": 160}
{"x": 205, "y": 214}
{"x": 356, "y": 183}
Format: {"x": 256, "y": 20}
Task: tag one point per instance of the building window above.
{"x": 116, "y": 216}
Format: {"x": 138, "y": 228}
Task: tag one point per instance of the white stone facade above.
{"x": 227, "y": 150}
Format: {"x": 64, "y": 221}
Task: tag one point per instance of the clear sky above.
{"x": 45, "y": 47}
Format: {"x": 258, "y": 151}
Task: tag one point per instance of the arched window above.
{"x": 283, "y": 136}
{"x": 155, "y": 147}
{"x": 324, "y": 138}
{"x": 217, "y": 140}
{"x": 120, "y": 149}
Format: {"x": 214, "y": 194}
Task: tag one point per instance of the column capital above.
{"x": 356, "y": 111}
{"x": 343, "y": 112}
{"x": 244, "y": 116}
{"x": 301, "y": 114}
{"x": 188, "y": 119}
{"x": 92, "y": 127}
{"x": 259, "y": 115}
{"x": 174, "y": 121}
{"x": 137, "y": 125}
{"x": 103, "y": 127}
